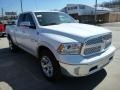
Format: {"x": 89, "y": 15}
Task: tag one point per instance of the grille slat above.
{"x": 91, "y": 50}
{"x": 97, "y": 44}
{"x": 94, "y": 41}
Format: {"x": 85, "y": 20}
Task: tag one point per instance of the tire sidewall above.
{"x": 13, "y": 47}
{"x": 56, "y": 68}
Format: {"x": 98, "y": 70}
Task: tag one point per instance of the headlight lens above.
{"x": 70, "y": 48}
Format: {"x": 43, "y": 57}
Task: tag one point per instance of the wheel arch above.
{"x": 8, "y": 37}
{"x": 50, "y": 49}
{"x": 42, "y": 48}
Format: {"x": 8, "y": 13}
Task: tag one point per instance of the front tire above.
{"x": 50, "y": 66}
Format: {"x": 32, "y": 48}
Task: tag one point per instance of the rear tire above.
{"x": 50, "y": 66}
{"x": 12, "y": 46}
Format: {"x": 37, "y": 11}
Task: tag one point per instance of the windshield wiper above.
{"x": 50, "y": 24}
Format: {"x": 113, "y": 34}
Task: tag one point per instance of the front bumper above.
{"x": 88, "y": 65}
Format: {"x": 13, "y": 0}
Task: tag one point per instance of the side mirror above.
{"x": 27, "y": 24}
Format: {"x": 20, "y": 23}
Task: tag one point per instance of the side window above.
{"x": 21, "y": 19}
{"x": 30, "y": 19}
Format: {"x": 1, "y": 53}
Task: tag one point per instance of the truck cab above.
{"x": 62, "y": 45}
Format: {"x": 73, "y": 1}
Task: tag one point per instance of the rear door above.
{"x": 30, "y": 34}
{"x": 19, "y": 33}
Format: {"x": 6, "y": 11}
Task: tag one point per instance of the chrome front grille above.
{"x": 97, "y": 44}
{"x": 91, "y": 50}
{"x": 107, "y": 37}
{"x": 94, "y": 41}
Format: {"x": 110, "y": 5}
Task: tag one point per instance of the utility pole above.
{"x": 95, "y": 11}
{"x": 21, "y": 5}
{"x": 2, "y": 12}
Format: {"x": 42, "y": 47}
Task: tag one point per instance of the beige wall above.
{"x": 114, "y": 17}
{"x": 103, "y": 18}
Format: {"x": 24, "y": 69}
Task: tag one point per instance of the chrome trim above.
{"x": 103, "y": 44}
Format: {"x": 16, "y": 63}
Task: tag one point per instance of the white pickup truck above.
{"x": 62, "y": 45}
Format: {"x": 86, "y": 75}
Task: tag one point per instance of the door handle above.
{"x": 33, "y": 40}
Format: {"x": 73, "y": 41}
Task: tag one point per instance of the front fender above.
{"x": 50, "y": 47}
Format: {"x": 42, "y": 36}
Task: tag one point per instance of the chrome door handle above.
{"x": 33, "y": 40}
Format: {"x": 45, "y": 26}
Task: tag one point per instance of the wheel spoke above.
{"x": 47, "y": 66}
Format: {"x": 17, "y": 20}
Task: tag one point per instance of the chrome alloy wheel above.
{"x": 47, "y": 66}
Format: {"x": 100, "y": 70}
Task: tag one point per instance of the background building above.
{"x": 86, "y": 14}
{"x": 114, "y": 5}
{"x": 8, "y": 17}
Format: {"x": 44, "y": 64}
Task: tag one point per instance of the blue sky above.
{"x": 28, "y": 5}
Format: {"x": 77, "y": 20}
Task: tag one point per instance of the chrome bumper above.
{"x": 85, "y": 69}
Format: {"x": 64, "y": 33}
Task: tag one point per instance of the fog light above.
{"x": 76, "y": 70}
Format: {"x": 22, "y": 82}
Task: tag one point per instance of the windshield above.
{"x": 53, "y": 18}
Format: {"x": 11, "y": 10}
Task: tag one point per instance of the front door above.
{"x": 30, "y": 34}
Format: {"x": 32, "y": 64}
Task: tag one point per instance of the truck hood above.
{"x": 75, "y": 31}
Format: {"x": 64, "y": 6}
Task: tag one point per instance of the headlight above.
{"x": 70, "y": 48}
